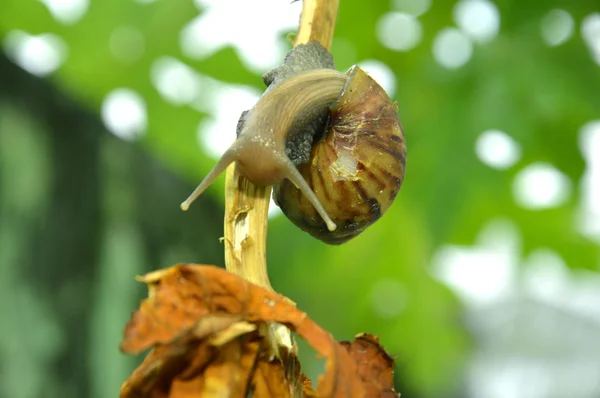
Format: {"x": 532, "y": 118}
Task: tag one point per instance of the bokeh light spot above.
{"x": 412, "y": 7}
{"x": 126, "y": 44}
{"x": 589, "y": 212}
{"x": 202, "y": 4}
{"x": 590, "y": 31}
{"x": 381, "y": 73}
{"x": 497, "y": 149}
{"x": 124, "y": 113}
{"x": 39, "y": 55}
{"x": 557, "y": 27}
{"x": 452, "y": 48}
{"x": 548, "y": 278}
{"x": 388, "y": 298}
{"x": 274, "y": 210}
{"x": 545, "y": 275}
{"x": 541, "y": 186}
{"x": 480, "y": 19}
{"x": 67, "y": 11}
{"x": 484, "y": 273}
{"x": 174, "y": 80}
{"x": 260, "y": 47}
{"x": 399, "y": 31}
{"x": 217, "y": 132}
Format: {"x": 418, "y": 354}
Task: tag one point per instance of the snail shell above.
{"x": 356, "y": 169}
{"x": 330, "y": 142}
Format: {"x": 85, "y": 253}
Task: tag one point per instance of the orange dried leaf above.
{"x": 155, "y": 376}
{"x": 193, "y": 303}
{"x": 269, "y": 380}
{"x": 199, "y": 370}
{"x": 307, "y": 388}
{"x": 228, "y": 374}
{"x": 375, "y": 366}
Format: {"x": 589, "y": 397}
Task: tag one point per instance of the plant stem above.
{"x": 247, "y": 205}
{"x": 317, "y": 22}
{"x": 246, "y": 216}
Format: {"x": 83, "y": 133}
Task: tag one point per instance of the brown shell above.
{"x": 356, "y": 170}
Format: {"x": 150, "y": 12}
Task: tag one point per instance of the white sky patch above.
{"x": 452, "y": 48}
{"x": 412, "y": 7}
{"x": 124, "y": 113}
{"x": 557, "y": 27}
{"x": 274, "y": 210}
{"x": 589, "y": 212}
{"x": 126, "y": 44}
{"x": 399, "y": 31}
{"x": 67, "y": 11}
{"x": 260, "y": 46}
{"x": 381, "y": 73}
{"x": 497, "y": 374}
{"x": 545, "y": 275}
{"x": 541, "y": 186}
{"x": 484, "y": 273}
{"x": 480, "y": 19}
{"x": 388, "y": 298}
{"x": 497, "y": 149}
{"x": 217, "y": 132}
{"x": 39, "y": 55}
{"x": 583, "y": 296}
{"x": 176, "y": 82}
{"x": 590, "y": 31}
{"x": 202, "y": 4}
{"x": 547, "y": 278}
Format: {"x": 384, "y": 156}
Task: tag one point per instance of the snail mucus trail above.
{"x": 286, "y": 127}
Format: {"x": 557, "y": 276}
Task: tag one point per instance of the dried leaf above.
{"x": 201, "y": 321}
{"x": 375, "y": 366}
{"x": 155, "y": 376}
{"x": 307, "y": 388}
{"x": 269, "y": 381}
{"x": 185, "y": 370}
{"x": 228, "y": 374}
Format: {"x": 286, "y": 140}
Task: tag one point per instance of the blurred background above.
{"x": 482, "y": 279}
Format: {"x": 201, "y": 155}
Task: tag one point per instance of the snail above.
{"x": 330, "y": 142}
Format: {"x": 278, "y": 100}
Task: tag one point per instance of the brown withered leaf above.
{"x": 207, "y": 329}
{"x": 269, "y": 381}
{"x": 375, "y": 366}
{"x": 228, "y": 374}
{"x": 191, "y": 367}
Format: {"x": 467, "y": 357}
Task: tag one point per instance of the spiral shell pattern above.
{"x": 356, "y": 169}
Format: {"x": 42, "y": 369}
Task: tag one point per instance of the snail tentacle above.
{"x": 298, "y": 180}
{"x": 228, "y": 157}
{"x": 290, "y": 109}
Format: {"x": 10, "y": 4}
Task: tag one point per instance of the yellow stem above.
{"x": 317, "y": 22}
{"x": 247, "y": 205}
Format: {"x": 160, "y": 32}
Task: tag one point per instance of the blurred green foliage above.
{"x": 539, "y": 95}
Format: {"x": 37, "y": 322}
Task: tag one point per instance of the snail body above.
{"x": 277, "y": 117}
{"x": 346, "y": 177}
{"x": 356, "y": 169}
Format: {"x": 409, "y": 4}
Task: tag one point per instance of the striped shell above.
{"x": 356, "y": 169}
